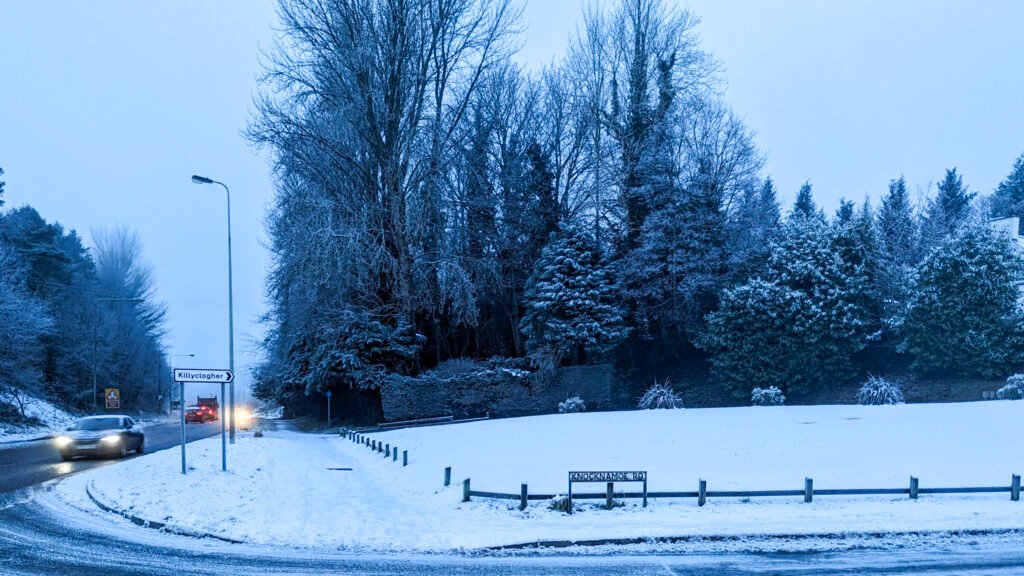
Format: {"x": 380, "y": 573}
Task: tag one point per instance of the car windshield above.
{"x": 97, "y": 424}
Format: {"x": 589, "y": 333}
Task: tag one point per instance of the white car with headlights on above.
{"x": 101, "y": 436}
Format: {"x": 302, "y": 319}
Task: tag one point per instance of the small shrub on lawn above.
{"x": 572, "y": 405}
{"x": 878, "y": 391}
{"x": 1014, "y": 389}
{"x": 770, "y": 396}
{"x": 559, "y": 504}
{"x": 660, "y": 396}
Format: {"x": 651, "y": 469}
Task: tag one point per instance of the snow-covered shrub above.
{"x": 559, "y": 503}
{"x": 770, "y": 396}
{"x": 660, "y": 396}
{"x": 877, "y": 391}
{"x": 1014, "y": 389}
{"x": 572, "y": 405}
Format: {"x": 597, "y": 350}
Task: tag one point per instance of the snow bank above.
{"x": 287, "y": 489}
{"x": 53, "y": 418}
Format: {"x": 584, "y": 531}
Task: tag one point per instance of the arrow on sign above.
{"x": 201, "y": 375}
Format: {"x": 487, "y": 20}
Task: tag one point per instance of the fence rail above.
{"x": 702, "y": 494}
{"x": 809, "y": 492}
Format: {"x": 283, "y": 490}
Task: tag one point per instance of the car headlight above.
{"x": 63, "y": 441}
{"x": 112, "y": 439}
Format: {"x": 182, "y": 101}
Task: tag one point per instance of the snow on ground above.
{"x": 280, "y": 489}
{"x": 53, "y": 418}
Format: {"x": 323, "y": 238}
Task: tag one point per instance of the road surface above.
{"x": 30, "y": 463}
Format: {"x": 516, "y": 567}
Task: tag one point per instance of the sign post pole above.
{"x": 328, "y": 407}
{"x": 183, "y": 375}
{"x": 223, "y": 436}
{"x": 181, "y": 395}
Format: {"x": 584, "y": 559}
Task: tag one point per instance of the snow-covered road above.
{"x": 40, "y": 534}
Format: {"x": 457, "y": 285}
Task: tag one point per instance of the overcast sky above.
{"x": 107, "y": 108}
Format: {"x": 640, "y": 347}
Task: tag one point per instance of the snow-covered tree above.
{"x": 1008, "y": 199}
{"x": 897, "y": 248}
{"x": 798, "y": 326}
{"x": 24, "y": 322}
{"x": 964, "y": 317}
{"x": 804, "y": 205}
{"x": 946, "y": 211}
{"x": 751, "y": 230}
{"x": 572, "y": 303}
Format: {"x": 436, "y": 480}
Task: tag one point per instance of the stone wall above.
{"x": 499, "y": 392}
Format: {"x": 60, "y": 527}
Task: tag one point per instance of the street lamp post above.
{"x": 231, "y": 307}
{"x": 171, "y": 357}
{"x": 95, "y": 345}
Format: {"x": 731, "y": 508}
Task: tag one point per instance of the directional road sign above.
{"x": 201, "y": 375}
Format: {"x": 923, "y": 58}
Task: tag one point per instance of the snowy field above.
{"x": 283, "y": 489}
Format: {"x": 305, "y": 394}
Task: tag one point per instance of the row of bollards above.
{"x": 379, "y": 447}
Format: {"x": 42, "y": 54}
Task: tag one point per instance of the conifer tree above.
{"x": 1008, "y": 199}
{"x": 804, "y": 205}
{"x": 897, "y": 247}
{"x": 963, "y": 318}
{"x": 946, "y": 212}
{"x": 798, "y": 327}
{"x": 751, "y": 231}
{"x": 572, "y": 305}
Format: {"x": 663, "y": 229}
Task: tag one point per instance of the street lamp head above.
{"x": 201, "y": 180}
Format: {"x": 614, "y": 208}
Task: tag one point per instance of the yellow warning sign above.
{"x": 113, "y": 398}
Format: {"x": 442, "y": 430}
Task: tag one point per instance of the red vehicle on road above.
{"x": 197, "y": 414}
{"x": 210, "y": 405}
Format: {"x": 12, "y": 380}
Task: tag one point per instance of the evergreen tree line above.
{"x": 435, "y": 202}
{"x": 70, "y": 316}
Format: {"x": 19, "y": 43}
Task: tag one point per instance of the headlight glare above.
{"x": 112, "y": 439}
{"x": 63, "y": 441}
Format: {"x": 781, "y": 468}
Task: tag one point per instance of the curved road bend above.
{"x": 41, "y": 535}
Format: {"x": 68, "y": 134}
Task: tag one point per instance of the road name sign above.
{"x": 202, "y": 375}
{"x": 607, "y": 476}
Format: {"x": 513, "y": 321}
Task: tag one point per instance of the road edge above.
{"x": 697, "y": 539}
{"x": 152, "y": 524}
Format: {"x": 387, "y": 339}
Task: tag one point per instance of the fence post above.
{"x": 394, "y": 454}
{"x": 387, "y": 450}
{"x": 608, "y": 495}
{"x": 913, "y": 488}
{"x": 702, "y": 492}
{"x": 465, "y": 490}
{"x": 1015, "y": 488}
{"x": 522, "y": 497}
{"x": 380, "y": 447}
{"x": 448, "y": 476}
{"x": 808, "y": 490}
{"x": 373, "y": 445}
{"x": 405, "y": 458}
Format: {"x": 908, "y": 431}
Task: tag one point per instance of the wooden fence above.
{"x": 702, "y": 493}
{"x": 913, "y": 490}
